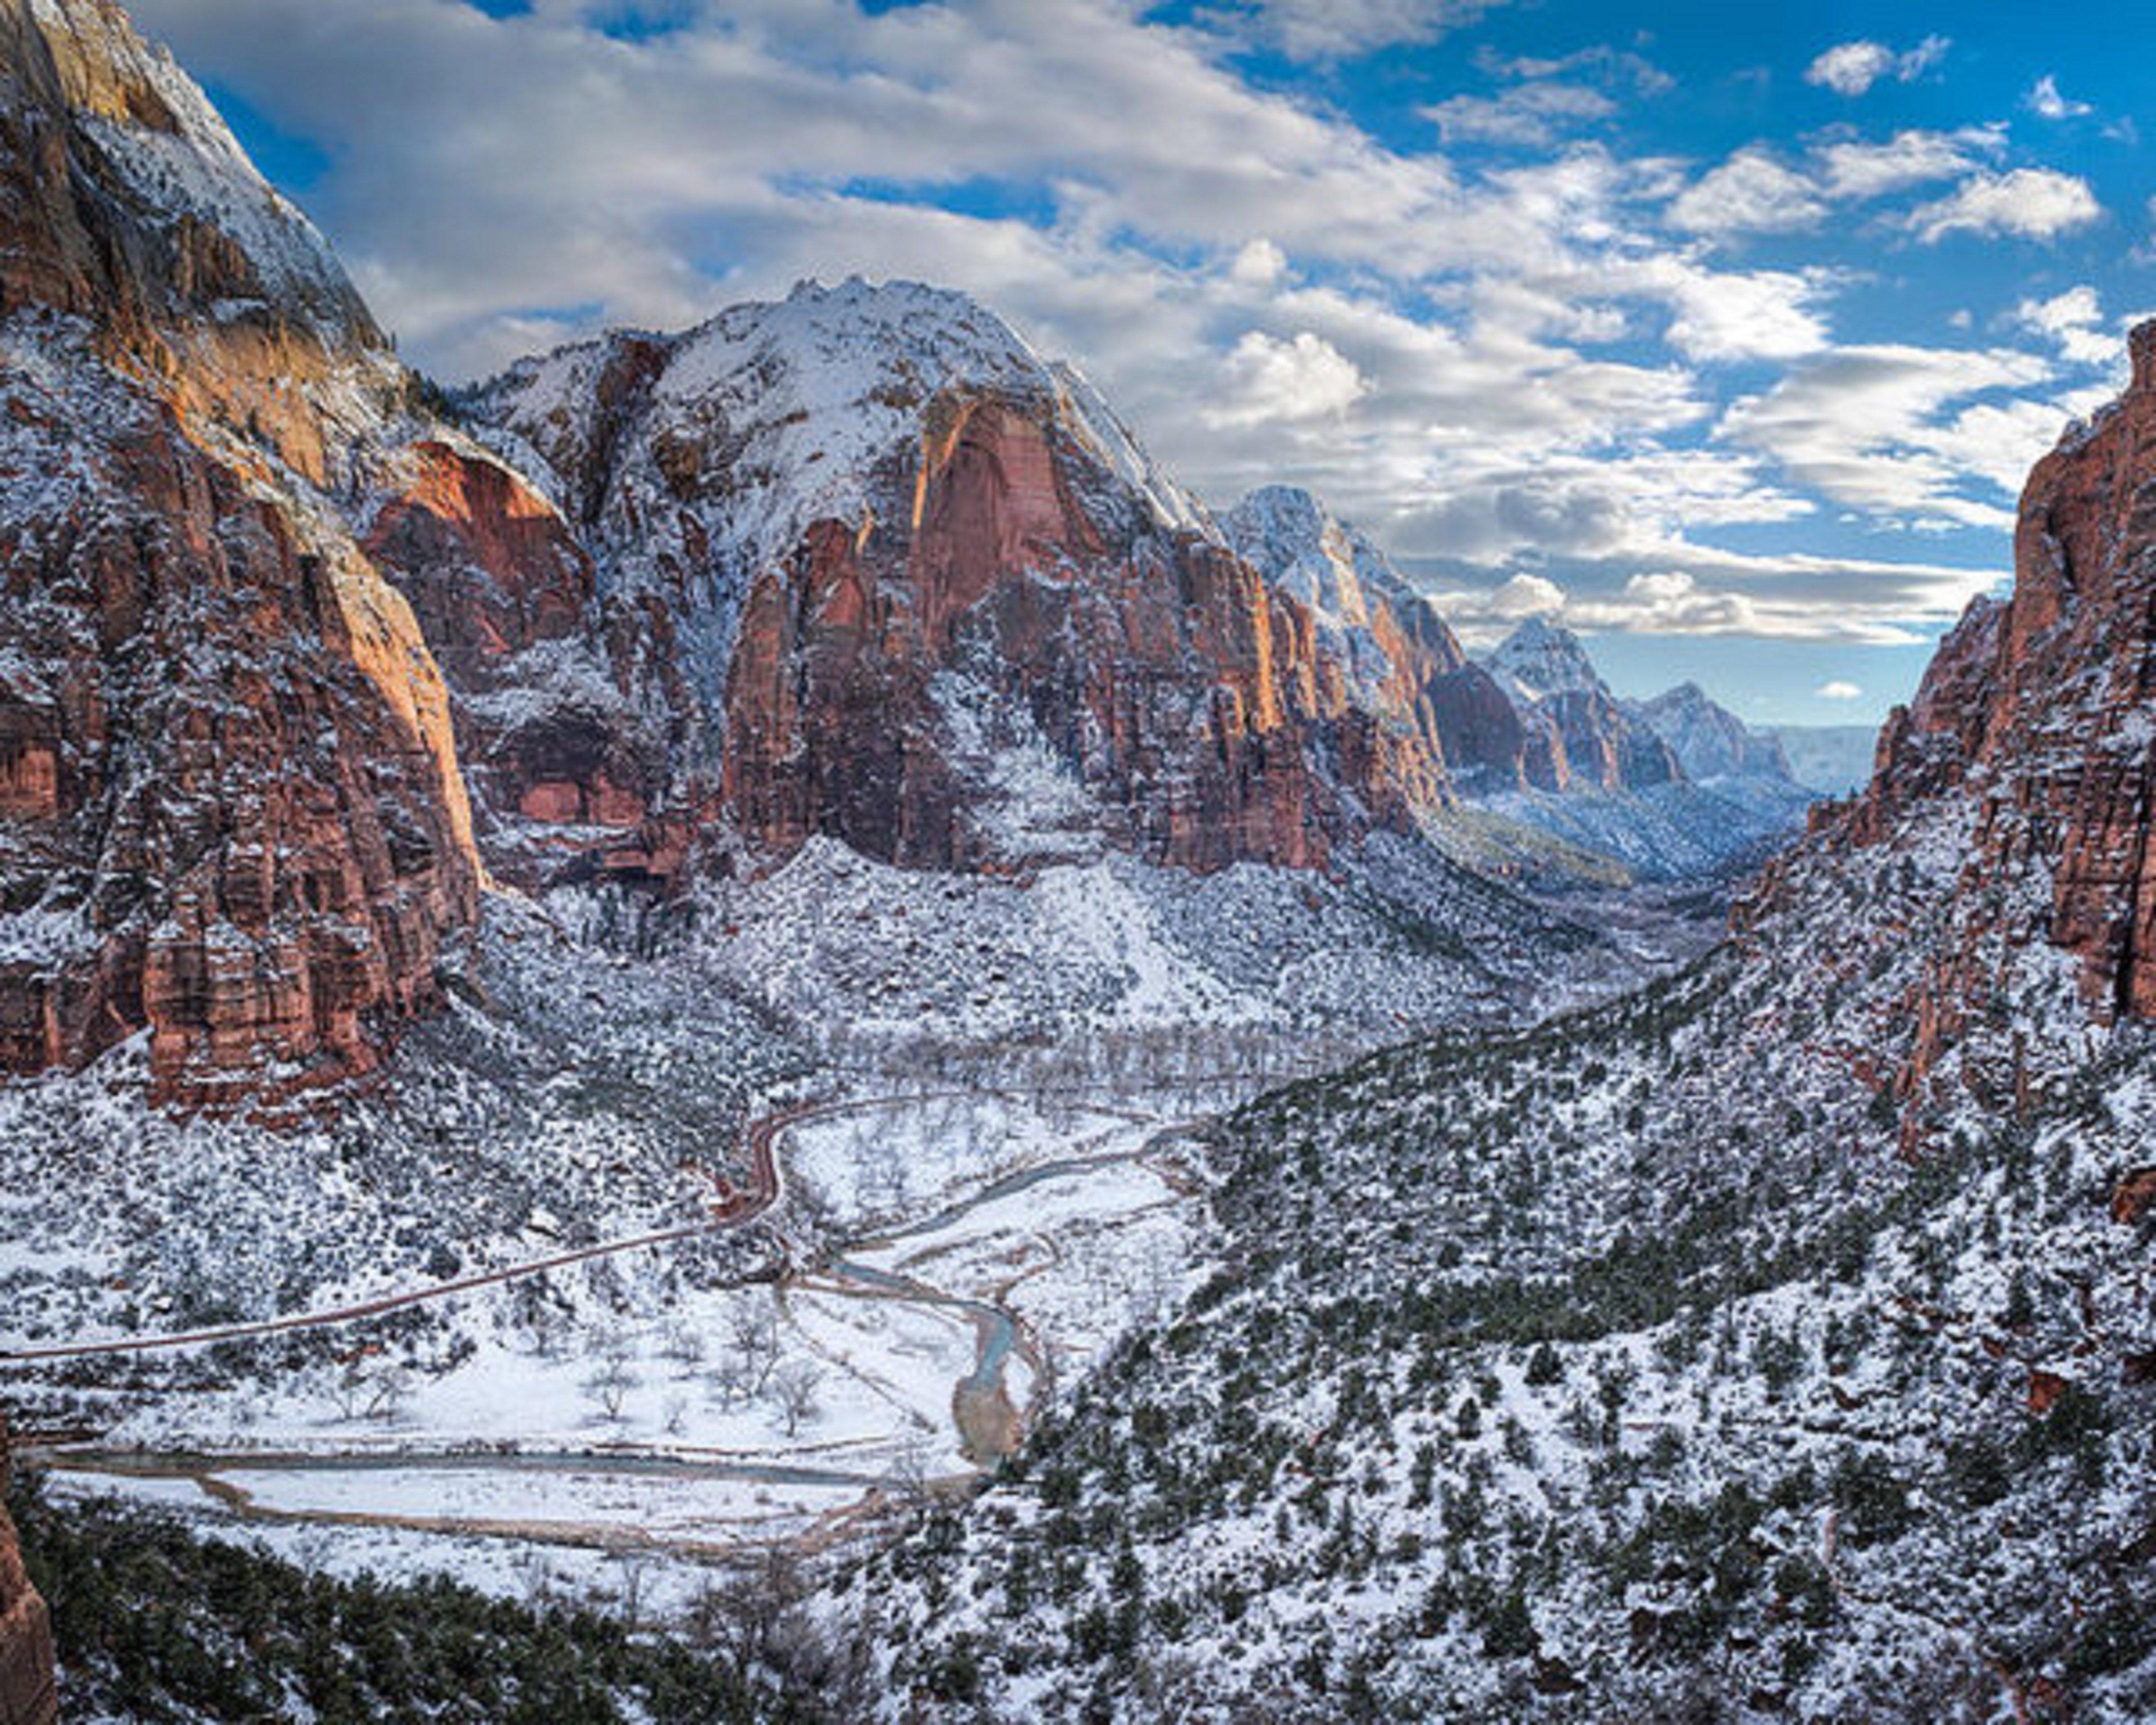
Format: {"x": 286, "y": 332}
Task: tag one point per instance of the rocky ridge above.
{"x": 230, "y": 811}
{"x": 27, "y": 1692}
{"x": 2031, "y": 741}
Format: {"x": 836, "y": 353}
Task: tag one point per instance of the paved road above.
{"x": 734, "y": 1208}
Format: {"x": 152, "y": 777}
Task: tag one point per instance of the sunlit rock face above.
{"x": 27, "y": 1694}
{"x": 2036, "y": 725}
{"x": 911, "y": 587}
{"x": 231, "y": 816}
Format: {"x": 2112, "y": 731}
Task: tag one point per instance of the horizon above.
{"x": 1731, "y": 355}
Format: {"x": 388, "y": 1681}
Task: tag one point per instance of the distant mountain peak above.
{"x": 1543, "y": 657}
{"x": 1710, "y": 741}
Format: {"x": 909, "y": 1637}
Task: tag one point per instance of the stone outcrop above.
{"x": 1575, "y": 734}
{"x": 2042, "y": 707}
{"x": 1155, "y": 674}
{"x": 231, "y": 815}
{"x": 27, "y": 1692}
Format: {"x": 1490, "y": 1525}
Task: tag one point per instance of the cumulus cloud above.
{"x": 1767, "y": 314}
{"x": 1850, "y": 69}
{"x": 2073, "y": 320}
{"x": 1259, "y": 264}
{"x": 1271, "y": 381}
{"x": 1752, "y": 193}
{"x": 1758, "y": 190}
{"x": 1854, "y": 169}
{"x": 1839, "y": 690}
{"x": 2046, "y": 103}
{"x": 1854, "y": 602}
{"x": 2025, "y": 203}
{"x": 1884, "y": 430}
{"x": 1529, "y": 116}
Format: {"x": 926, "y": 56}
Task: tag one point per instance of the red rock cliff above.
{"x": 1181, "y": 697}
{"x": 230, "y": 810}
{"x": 27, "y": 1694}
{"x": 2040, "y": 711}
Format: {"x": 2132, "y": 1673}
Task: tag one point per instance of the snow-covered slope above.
{"x": 1831, "y": 759}
{"x": 174, "y": 155}
{"x": 779, "y": 415}
{"x": 1710, "y": 740}
{"x": 1542, "y": 658}
{"x": 1354, "y": 595}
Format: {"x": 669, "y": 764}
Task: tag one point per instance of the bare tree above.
{"x": 389, "y": 1389}
{"x": 685, "y": 1347}
{"x": 732, "y": 1382}
{"x": 609, "y": 1386}
{"x": 755, "y": 1332}
{"x": 793, "y": 1387}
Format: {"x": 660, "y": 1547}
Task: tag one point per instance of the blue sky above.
{"x": 1725, "y": 333}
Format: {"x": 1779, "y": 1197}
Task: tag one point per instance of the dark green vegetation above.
{"x": 1619, "y": 1368}
{"x": 156, "y": 1624}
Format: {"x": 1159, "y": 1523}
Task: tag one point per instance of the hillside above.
{"x": 1776, "y": 1342}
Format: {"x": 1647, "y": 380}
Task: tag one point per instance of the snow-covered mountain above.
{"x": 1709, "y": 740}
{"x": 1833, "y": 760}
{"x": 1542, "y": 658}
{"x": 1534, "y": 747}
{"x": 1775, "y": 1343}
{"x": 1670, "y": 787}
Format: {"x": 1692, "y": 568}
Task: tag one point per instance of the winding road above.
{"x": 988, "y": 1424}
{"x": 734, "y": 1208}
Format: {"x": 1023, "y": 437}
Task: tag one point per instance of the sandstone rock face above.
{"x": 1576, "y": 735}
{"x": 2040, "y": 709}
{"x": 560, "y": 765}
{"x": 921, "y": 592}
{"x": 1390, "y": 659}
{"x": 231, "y": 815}
{"x": 27, "y": 1692}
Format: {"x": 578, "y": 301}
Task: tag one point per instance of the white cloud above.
{"x": 1345, "y": 29}
{"x": 1765, "y": 315}
{"x": 2026, "y": 202}
{"x": 1877, "y": 427}
{"x": 2074, "y": 321}
{"x": 1273, "y": 382}
{"x": 1527, "y": 596}
{"x": 1259, "y": 264}
{"x": 1850, "y": 69}
{"x": 2046, "y": 103}
{"x": 1756, "y": 191}
{"x": 1528, "y": 115}
{"x": 1855, "y": 170}
{"x": 1698, "y": 591}
{"x": 1839, "y": 690}
{"x": 1752, "y": 193}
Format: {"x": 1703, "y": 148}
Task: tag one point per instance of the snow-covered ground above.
{"x": 638, "y": 1400}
